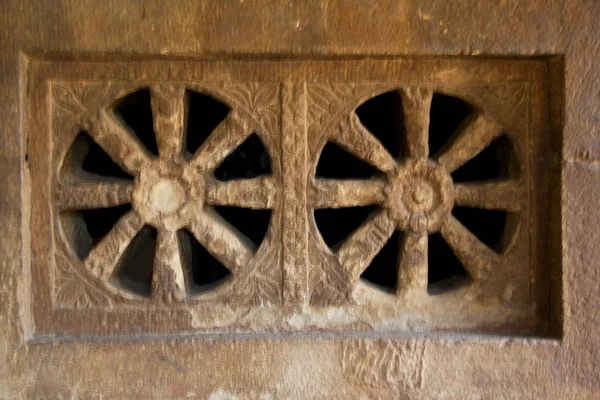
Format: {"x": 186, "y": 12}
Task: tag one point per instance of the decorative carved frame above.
{"x": 294, "y": 282}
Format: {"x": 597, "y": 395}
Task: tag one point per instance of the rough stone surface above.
{"x": 295, "y": 340}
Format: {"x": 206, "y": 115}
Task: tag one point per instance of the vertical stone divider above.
{"x": 294, "y": 223}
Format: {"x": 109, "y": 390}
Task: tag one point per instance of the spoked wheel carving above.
{"x": 170, "y": 192}
{"x": 417, "y": 194}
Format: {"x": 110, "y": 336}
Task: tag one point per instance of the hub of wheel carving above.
{"x": 420, "y": 195}
{"x": 166, "y": 193}
{"x": 166, "y": 196}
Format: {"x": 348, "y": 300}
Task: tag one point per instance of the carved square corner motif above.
{"x": 392, "y": 195}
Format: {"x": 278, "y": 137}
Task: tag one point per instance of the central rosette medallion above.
{"x": 420, "y": 195}
{"x": 167, "y": 192}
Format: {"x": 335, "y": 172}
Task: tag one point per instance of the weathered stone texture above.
{"x": 50, "y": 360}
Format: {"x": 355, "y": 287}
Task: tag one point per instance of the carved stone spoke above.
{"x": 93, "y": 195}
{"x": 257, "y": 193}
{"x": 362, "y": 246}
{"x": 505, "y": 195}
{"x": 228, "y": 135}
{"x": 119, "y": 143}
{"x": 413, "y": 266}
{"x": 222, "y": 240}
{"x": 416, "y": 103}
{"x": 477, "y": 258}
{"x": 332, "y": 193}
{"x": 169, "y": 113}
{"x": 103, "y": 259}
{"x": 469, "y": 140}
{"x": 354, "y": 137}
{"x": 168, "y": 284}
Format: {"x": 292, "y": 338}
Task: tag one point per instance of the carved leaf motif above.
{"x": 74, "y": 102}
{"x": 329, "y": 284}
{"x": 259, "y": 99}
{"x": 72, "y": 291}
{"x": 79, "y": 98}
{"x": 395, "y": 365}
{"x": 66, "y": 99}
{"x": 263, "y": 286}
{"x": 324, "y": 293}
{"x": 264, "y": 289}
{"x": 324, "y": 101}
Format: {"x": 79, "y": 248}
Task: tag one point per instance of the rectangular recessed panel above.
{"x": 389, "y": 196}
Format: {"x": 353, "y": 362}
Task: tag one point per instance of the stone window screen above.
{"x": 288, "y": 196}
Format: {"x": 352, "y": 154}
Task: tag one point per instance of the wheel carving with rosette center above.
{"x": 170, "y": 192}
{"x": 416, "y": 194}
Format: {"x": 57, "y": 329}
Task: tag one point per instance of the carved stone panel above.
{"x": 279, "y": 197}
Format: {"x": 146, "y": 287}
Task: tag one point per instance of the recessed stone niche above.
{"x": 380, "y": 196}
